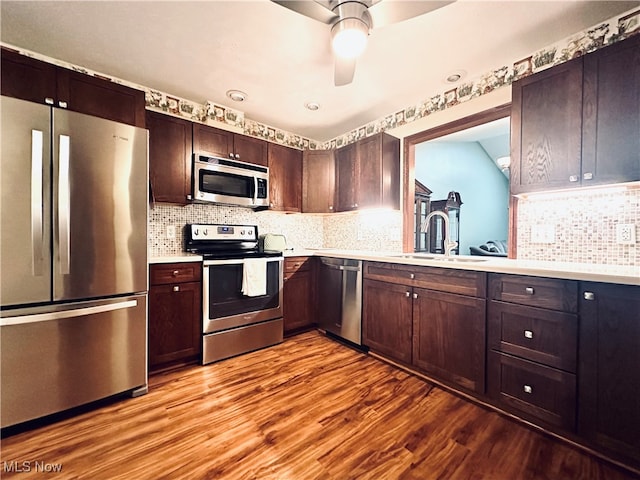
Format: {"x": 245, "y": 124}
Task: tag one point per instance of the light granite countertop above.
{"x": 628, "y": 275}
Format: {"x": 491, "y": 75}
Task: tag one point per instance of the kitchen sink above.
{"x": 439, "y": 258}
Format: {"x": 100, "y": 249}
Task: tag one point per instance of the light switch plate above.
{"x": 171, "y": 232}
{"x": 625, "y": 233}
{"x": 543, "y": 234}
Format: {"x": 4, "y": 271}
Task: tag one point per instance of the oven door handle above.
{"x": 237, "y": 261}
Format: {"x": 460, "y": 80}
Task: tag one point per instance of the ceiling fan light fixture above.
{"x": 349, "y": 37}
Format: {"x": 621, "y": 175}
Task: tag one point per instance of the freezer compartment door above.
{"x": 56, "y": 360}
{"x": 100, "y": 182}
{"x": 25, "y": 238}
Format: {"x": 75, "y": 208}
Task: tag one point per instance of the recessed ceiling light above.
{"x": 313, "y": 106}
{"x": 456, "y": 76}
{"x": 237, "y": 95}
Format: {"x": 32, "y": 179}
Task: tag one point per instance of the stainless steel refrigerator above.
{"x": 73, "y": 272}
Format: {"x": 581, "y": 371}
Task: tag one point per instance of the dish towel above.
{"x": 254, "y": 277}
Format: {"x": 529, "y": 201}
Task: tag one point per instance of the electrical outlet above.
{"x": 626, "y": 233}
{"x": 171, "y": 232}
{"x": 543, "y": 234}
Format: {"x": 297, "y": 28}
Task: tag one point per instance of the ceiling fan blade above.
{"x": 385, "y": 12}
{"x": 309, "y": 9}
{"x": 344, "y": 70}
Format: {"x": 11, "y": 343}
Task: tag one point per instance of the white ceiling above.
{"x": 281, "y": 59}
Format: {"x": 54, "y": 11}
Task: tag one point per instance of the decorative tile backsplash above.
{"x": 582, "y": 225}
{"x": 373, "y": 230}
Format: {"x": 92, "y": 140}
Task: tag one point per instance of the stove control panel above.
{"x": 208, "y": 232}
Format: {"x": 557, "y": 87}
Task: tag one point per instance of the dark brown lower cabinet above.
{"x": 175, "y": 303}
{"x": 609, "y": 368}
{"x": 387, "y": 319}
{"x": 449, "y": 337}
{"x": 297, "y": 295}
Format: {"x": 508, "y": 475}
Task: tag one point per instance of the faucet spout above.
{"x": 448, "y": 244}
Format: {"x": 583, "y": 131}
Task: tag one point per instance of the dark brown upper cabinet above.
{"x": 318, "y": 181}
{"x": 368, "y": 173}
{"x": 285, "y": 178}
{"x": 36, "y": 81}
{"x": 578, "y": 123}
{"x": 225, "y": 144}
{"x": 169, "y": 158}
{"x": 611, "y": 114}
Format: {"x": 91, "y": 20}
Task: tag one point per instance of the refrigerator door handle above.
{"x": 64, "y": 206}
{"x": 37, "y": 230}
{"x": 79, "y": 312}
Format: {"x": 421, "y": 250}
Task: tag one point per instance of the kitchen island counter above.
{"x": 621, "y": 274}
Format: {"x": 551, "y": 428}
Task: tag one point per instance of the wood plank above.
{"x": 309, "y": 408}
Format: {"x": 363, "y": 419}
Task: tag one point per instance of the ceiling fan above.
{"x": 352, "y": 20}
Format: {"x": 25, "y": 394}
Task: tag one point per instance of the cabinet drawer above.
{"x": 462, "y": 282}
{"x": 294, "y": 264}
{"x": 552, "y": 293}
{"x": 541, "y": 392}
{"x": 543, "y": 336}
{"x": 163, "y": 273}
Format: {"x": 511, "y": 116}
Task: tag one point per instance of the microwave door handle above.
{"x": 255, "y": 190}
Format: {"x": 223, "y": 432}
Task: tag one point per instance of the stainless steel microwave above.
{"x": 219, "y": 180}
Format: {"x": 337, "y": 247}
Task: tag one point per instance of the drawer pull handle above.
{"x": 176, "y": 288}
{"x": 528, "y": 334}
{"x": 529, "y": 290}
{"x": 528, "y": 389}
{"x": 412, "y": 276}
{"x": 176, "y": 272}
{"x": 589, "y": 296}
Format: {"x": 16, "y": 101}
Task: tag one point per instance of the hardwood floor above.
{"x": 309, "y": 408}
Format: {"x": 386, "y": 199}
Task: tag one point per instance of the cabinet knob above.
{"x": 330, "y": 207}
{"x": 407, "y": 294}
{"x": 49, "y": 101}
{"x": 355, "y": 205}
{"x": 415, "y": 295}
{"x": 230, "y": 155}
{"x": 587, "y": 176}
{"x": 412, "y": 276}
{"x": 62, "y": 104}
{"x": 529, "y": 290}
{"x": 237, "y": 156}
{"x": 176, "y": 288}
{"x": 528, "y": 334}
{"x": 527, "y": 389}
{"x": 175, "y": 273}
{"x": 589, "y": 296}
{"x": 573, "y": 178}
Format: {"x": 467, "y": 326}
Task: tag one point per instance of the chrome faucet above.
{"x": 448, "y": 244}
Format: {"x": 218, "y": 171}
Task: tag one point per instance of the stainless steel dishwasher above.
{"x": 340, "y": 288}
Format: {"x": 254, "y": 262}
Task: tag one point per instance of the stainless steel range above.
{"x": 241, "y": 290}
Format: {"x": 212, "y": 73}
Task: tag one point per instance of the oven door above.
{"x": 225, "y": 306}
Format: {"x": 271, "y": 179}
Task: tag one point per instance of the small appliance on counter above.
{"x": 272, "y": 242}
{"x": 241, "y": 290}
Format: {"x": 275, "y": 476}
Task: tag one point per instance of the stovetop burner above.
{"x": 218, "y": 241}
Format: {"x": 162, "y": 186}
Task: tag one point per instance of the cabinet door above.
{"x": 318, "y": 181}
{"x": 346, "y": 178}
{"x": 449, "y": 337}
{"x": 174, "y": 323}
{"x": 296, "y": 300}
{"x": 212, "y": 141}
{"x": 386, "y": 321}
{"x": 100, "y": 98}
{"x": 608, "y": 373}
{"x": 169, "y": 158}
{"x": 611, "y": 128}
{"x": 285, "y": 177}
{"x": 27, "y": 78}
{"x": 370, "y": 171}
{"x": 546, "y": 129}
{"x": 250, "y": 150}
